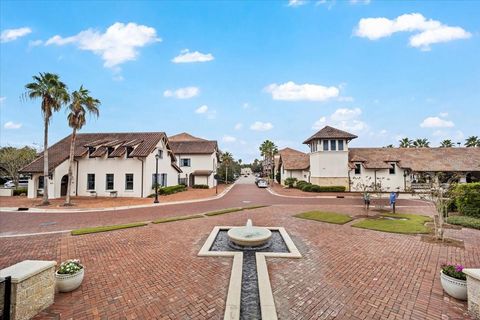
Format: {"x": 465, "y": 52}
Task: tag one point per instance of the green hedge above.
{"x": 468, "y": 222}
{"x": 290, "y": 182}
{"x": 20, "y": 191}
{"x": 200, "y": 186}
{"x": 308, "y": 187}
{"x": 169, "y": 190}
{"x": 467, "y": 199}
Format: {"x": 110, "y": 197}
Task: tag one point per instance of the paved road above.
{"x": 244, "y": 193}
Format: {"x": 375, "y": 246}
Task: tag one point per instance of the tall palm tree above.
{"x": 472, "y": 141}
{"x": 405, "y": 143}
{"x": 446, "y": 143}
{"x": 53, "y": 93}
{"x": 227, "y": 159}
{"x": 268, "y": 149}
{"x": 421, "y": 143}
{"x": 81, "y": 104}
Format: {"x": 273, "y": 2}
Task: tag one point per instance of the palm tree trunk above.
{"x": 45, "y": 163}
{"x": 70, "y": 167}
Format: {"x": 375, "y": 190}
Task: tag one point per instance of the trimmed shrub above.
{"x": 315, "y": 188}
{"x": 468, "y": 222}
{"x": 307, "y": 187}
{"x": 169, "y": 190}
{"x": 20, "y": 191}
{"x": 290, "y": 182}
{"x": 332, "y": 188}
{"x": 300, "y": 184}
{"x": 467, "y": 199}
{"x": 200, "y": 186}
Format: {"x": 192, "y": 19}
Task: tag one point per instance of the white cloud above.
{"x": 2, "y": 99}
{"x": 436, "y": 122}
{"x": 12, "y": 34}
{"x": 202, "y": 109}
{"x": 12, "y": 125}
{"x": 261, "y": 126}
{"x": 359, "y": 1}
{"x": 238, "y": 126}
{"x": 182, "y": 93}
{"x": 291, "y": 91}
{"x": 427, "y": 31}
{"x": 343, "y": 119}
{"x": 186, "y": 56}
{"x": 296, "y": 3}
{"x": 118, "y": 44}
{"x": 229, "y": 139}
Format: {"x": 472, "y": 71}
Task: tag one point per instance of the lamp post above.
{"x": 157, "y": 156}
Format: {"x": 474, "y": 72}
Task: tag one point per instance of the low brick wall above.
{"x": 6, "y": 192}
{"x": 33, "y": 287}
{"x": 473, "y": 291}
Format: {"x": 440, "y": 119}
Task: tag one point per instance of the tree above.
{"x": 472, "y": 141}
{"x": 227, "y": 159}
{"x": 446, "y": 144}
{"x": 256, "y": 166}
{"x": 81, "y": 104}
{"x": 54, "y": 94}
{"x": 405, "y": 143}
{"x": 13, "y": 159}
{"x": 389, "y": 146}
{"x": 268, "y": 149}
{"x": 421, "y": 143}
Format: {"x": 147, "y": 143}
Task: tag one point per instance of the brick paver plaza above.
{"x": 153, "y": 272}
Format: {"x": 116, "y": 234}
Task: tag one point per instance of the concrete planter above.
{"x": 69, "y": 282}
{"x": 454, "y": 287}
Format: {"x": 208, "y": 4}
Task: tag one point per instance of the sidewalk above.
{"x": 147, "y": 202}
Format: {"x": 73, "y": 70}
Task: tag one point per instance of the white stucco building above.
{"x": 198, "y": 159}
{"x": 121, "y": 164}
{"x": 331, "y": 161}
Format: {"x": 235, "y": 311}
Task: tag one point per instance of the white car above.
{"x": 262, "y": 183}
{"x": 22, "y": 183}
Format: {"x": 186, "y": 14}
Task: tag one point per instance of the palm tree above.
{"x": 405, "y": 143}
{"x": 54, "y": 94}
{"x": 472, "y": 141}
{"x": 421, "y": 143}
{"x": 268, "y": 149}
{"x": 81, "y": 104}
{"x": 446, "y": 144}
{"x": 227, "y": 159}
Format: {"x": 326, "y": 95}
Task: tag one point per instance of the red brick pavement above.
{"x": 240, "y": 195}
{"x": 153, "y": 272}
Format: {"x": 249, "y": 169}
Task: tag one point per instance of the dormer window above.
{"x": 90, "y": 151}
{"x": 391, "y": 170}
{"x": 129, "y": 151}
{"x": 110, "y": 151}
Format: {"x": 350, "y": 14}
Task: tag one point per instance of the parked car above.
{"x": 257, "y": 179}
{"x": 262, "y": 183}
{"x": 22, "y": 183}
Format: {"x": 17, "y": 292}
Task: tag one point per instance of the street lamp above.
{"x": 157, "y": 156}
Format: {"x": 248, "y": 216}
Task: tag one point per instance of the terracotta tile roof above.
{"x": 418, "y": 159}
{"x": 328, "y": 132}
{"x": 185, "y": 143}
{"x": 294, "y": 160}
{"x": 145, "y": 143}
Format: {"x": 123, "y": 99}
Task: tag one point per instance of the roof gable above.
{"x": 328, "y": 132}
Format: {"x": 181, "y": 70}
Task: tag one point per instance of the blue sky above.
{"x": 241, "y": 72}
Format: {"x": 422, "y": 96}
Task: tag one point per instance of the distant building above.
{"x": 332, "y": 162}
{"x": 198, "y": 158}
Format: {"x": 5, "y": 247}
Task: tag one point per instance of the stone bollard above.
{"x": 473, "y": 291}
{"x": 33, "y": 287}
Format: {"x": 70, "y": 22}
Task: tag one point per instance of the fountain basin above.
{"x": 249, "y": 236}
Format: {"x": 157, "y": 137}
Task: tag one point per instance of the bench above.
{"x": 113, "y": 194}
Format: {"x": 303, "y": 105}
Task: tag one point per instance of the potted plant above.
{"x": 69, "y": 275}
{"x": 454, "y": 281}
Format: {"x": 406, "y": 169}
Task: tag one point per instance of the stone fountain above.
{"x": 249, "y": 236}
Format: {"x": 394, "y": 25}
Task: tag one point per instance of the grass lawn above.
{"x": 171, "y": 219}
{"x": 81, "y": 231}
{"x": 216, "y": 213}
{"x": 414, "y": 223}
{"x": 330, "y": 217}
{"x": 465, "y": 221}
